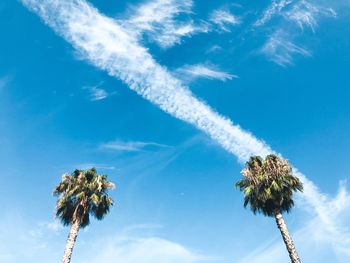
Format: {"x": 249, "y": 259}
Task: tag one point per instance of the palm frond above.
{"x": 83, "y": 193}
{"x": 268, "y": 185}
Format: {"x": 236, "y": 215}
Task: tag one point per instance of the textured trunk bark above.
{"x": 287, "y": 238}
{"x": 73, "y": 233}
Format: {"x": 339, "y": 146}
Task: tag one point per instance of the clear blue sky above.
{"x": 279, "y": 70}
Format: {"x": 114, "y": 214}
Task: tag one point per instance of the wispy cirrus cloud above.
{"x": 131, "y": 146}
{"x": 167, "y": 22}
{"x": 214, "y": 48}
{"x": 191, "y": 72}
{"x": 158, "y": 19}
{"x": 306, "y": 14}
{"x": 113, "y": 48}
{"x": 96, "y": 93}
{"x": 291, "y": 18}
{"x": 224, "y": 19}
{"x": 275, "y": 8}
{"x": 279, "y": 49}
{"x": 301, "y": 12}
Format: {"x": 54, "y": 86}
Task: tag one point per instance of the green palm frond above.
{"x": 268, "y": 185}
{"x": 81, "y": 194}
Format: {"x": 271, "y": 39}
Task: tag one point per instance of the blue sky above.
{"x": 138, "y": 90}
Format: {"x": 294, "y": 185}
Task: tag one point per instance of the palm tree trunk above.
{"x": 287, "y": 238}
{"x": 73, "y": 233}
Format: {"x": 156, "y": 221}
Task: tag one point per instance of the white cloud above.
{"x": 145, "y": 250}
{"x": 132, "y": 146}
{"x": 224, "y": 19}
{"x": 279, "y": 49}
{"x": 54, "y": 226}
{"x": 334, "y": 214}
{"x": 331, "y": 215}
{"x": 301, "y": 12}
{"x": 112, "y": 48}
{"x": 192, "y": 72}
{"x": 96, "y": 93}
{"x": 214, "y": 48}
{"x": 167, "y": 22}
{"x": 293, "y": 15}
{"x": 304, "y": 13}
{"x": 329, "y": 229}
{"x": 139, "y": 243}
{"x": 20, "y": 238}
{"x": 44, "y": 242}
{"x": 158, "y": 19}
{"x": 273, "y": 9}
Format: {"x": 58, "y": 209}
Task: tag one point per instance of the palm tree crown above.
{"x": 81, "y": 194}
{"x": 268, "y": 185}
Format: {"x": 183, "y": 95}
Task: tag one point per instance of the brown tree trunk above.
{"x": 73, "y": 233}
{"x": 287, "y": 238}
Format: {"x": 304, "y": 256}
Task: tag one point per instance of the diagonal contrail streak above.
{"x": 108, "y": 46}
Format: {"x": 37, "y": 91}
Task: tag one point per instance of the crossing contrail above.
{"x": 107, "y": 45}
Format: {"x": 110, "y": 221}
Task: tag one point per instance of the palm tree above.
{"x": 268, "y": 186}
{"x": 81, "y": 194}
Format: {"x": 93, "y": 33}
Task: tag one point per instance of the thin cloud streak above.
{"x": 330, "y": 213}
{"x": 274, "y": 8}
{"x": 132, "y": 146}
{"x": 192, "y": 72}
{"x": 110, "y": 47}
{"x": 96, "y": 93}
{"x": 279, "y": 49}
{"x": 224, "y": 19}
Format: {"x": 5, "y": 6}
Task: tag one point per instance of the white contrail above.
{"x": 108, "y": 46}
{"x": 112, "y": 48}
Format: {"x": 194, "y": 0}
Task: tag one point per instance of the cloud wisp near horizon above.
{"x": 111, "y": 47}
{"x": 127, "y": 245}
